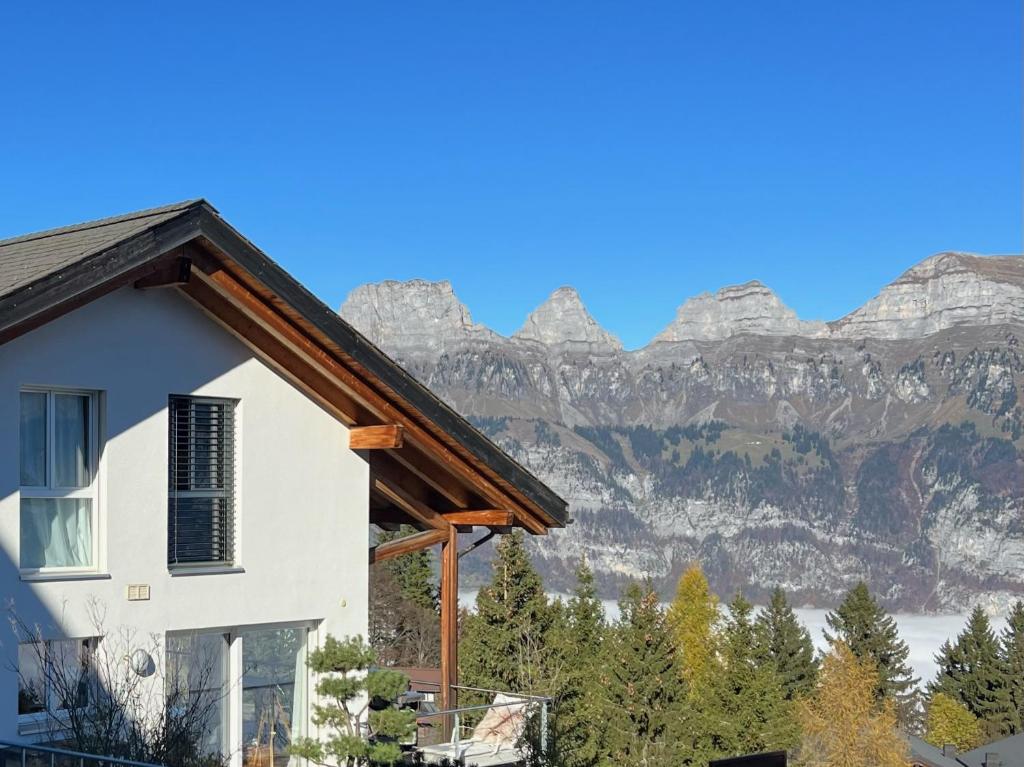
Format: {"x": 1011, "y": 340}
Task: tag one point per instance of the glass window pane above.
{"x": 33, "y": 439}
{"x": 31, "y": 682}
{"x": 56, "y": 532}
{"x": 273, "y": 694}
{"x": 70, "y": 440}
{"x": 196, "y": 688}
{"x": 69, "y": 667}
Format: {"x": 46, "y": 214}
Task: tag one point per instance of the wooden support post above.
{"x": 449, "y": 623}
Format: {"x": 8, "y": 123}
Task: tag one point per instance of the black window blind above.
{"x": 201, "y": 486}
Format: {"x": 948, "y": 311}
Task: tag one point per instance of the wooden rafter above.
{"x": 481, "y": 518}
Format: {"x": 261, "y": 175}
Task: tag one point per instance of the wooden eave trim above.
{"x": 266, "y": 278}
{"x": 387, "y": 436}
{"x": 215, "y": 277}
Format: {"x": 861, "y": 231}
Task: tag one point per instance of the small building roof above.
{"x": 1009, "y": 750}
{"x": 924, "y": 754}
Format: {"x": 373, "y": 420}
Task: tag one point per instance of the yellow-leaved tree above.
{"x": 843, "y": 724}
{"x": 693, "y": 618}
{"x": 950, "y": 723}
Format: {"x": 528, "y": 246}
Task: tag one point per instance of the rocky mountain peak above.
{"x": 748, "y": 308}
{"x": 563, "y": 320}
{"x": 943, "y": 291}
{"x": 417, "y": 315}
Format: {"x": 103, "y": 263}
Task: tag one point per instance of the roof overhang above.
{"x": 441, "y": 471}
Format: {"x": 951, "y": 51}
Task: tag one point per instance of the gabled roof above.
{"x": 47, "y": 274}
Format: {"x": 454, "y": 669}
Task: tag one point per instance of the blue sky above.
{"x": 642, "y": 152}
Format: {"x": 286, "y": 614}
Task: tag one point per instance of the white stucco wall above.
{"x": 303, "y": 502}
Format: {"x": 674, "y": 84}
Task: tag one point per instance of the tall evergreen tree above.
{"x": 744, "y": 704}
{"x": 503, "y": 641}
{"x": 693, "y": 618}
{"x": 871, "y": 633}
{"x": 972, "y": 672}
{"x": 644, "y": 709}
{"x": 785, "y": 643}
{"x": 1013, "y": 659}
{"x": 576, "y": 646}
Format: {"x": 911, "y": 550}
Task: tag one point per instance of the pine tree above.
{"x": 950, "y": 723}
{"x": 693, "y": 617}
{"x": 870, "y": 633}
{"x": 744, "y": 703}
{"x": 644, "y": 711}
{"x": 503, "y": 641}
{"x": 576, "y": 646}
{"x": 972, "y": 672}
{"x": 784, "y": 642}
{"x": 1013, "y": 660}
{"x": 844, "y": 723}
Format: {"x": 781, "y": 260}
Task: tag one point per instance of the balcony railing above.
{"x": 31, "y": 755}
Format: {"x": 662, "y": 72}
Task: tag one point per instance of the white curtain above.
{"x": 56, "y": 532}
{"x": 70, "y": 440}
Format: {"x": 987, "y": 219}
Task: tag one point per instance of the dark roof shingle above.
{"x": 30, "y": 257}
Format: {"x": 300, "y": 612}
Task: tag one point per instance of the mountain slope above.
{"x": 887, "y": 445}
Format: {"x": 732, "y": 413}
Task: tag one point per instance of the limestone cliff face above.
{"x": 888, "y": 445}
{"x": 419, "y": 317}
{"x": 944, "y": 291}
{"x": 750, "y": 308}
{"x": 563, "y": 323}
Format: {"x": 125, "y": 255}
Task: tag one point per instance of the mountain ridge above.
{"x": 888, "y": 446}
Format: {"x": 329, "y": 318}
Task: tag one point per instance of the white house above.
{"x": 193, "y": 443}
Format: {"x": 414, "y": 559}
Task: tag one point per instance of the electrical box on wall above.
{"x": 138, "y": 592}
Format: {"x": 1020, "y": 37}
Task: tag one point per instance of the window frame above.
{"x": 35, "y": 722}
{"x": 231, "y": 562}
{"x": 90, "y": 492}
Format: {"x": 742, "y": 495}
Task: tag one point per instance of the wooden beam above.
{"x": 174, "y": 274}
{"x": 407, "y": 545}
{"x": 449, "y": 622}
{"x": 384, "y": 437}
{"x": 483, "y": 518}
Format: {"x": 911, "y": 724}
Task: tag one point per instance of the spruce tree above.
{"x": 576, "y": 646}
{"x": 972, "y": 672}
{"x": 503, "y": 641}
{"x": 744, "y": 704}
{"x": 693, "y": 618}
{"x": 785, "y": 643}
{"x": 870, "y": 633}
{"x": 1013, "y": 660}
{"x": 644, "y": 710}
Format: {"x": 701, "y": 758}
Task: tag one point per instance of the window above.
{"x": 274, "y": 694}
{"x": 53, "y": 676}
{"x": 201, "y": 513}
{"x": 58, "y": 480}
{"x": 197, "y": 687}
